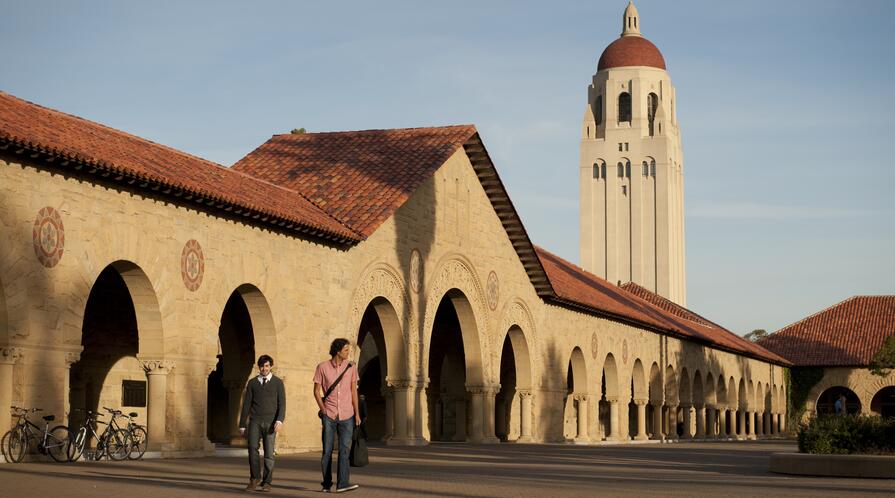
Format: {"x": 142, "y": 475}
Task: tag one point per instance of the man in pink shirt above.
{"x": 335, "y": 389}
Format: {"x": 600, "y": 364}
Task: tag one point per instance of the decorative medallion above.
{"x": 625, "y": 351}
{"x": 48, "y": 236}
{"x": 192, "y": 265}
{"x": 492, "y": 291}
{"x": 594, "y": 345}
{"x": 416, "y": 262}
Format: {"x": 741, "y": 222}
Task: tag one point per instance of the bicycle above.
{"x": 55, "y": 442}
{"x": 114, "y": 442}
{"x": 138, "y": 434}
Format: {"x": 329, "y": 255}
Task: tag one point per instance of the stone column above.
{"x": 672, "y": 422}
{"x": 460, "y": 419}
{"x": 657, "y": 421}
{"x": 8, "y": 358}
{"x": 388, "y": 396}
{"x": 751, "y": 430}
{"x": 741, "y": 421}
{"x": 482, "y": 414}
{"x": 614, "y": 434}
{"x": 235, "y": 388}
{"x": 490, "y": 409}
{"x": 70, "y": 359}
{"x": 407, "y": 412}
{"x": 156, "y": 403}
{"x": 582, "y": 417}
{"x": 732, "y": 429}
{"x": 525, "y": 399}
{"x": 710, "y": 431}
{"x": 687, "y": 420}
{"x": 641, "y": 420}
{"x": 700, "y": 421}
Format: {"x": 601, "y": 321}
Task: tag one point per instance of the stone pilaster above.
{"x": 157, "y": 371}
{"x": 641, "y": 420}
{"x": 525, "y": 415}
{"x": 9, "y": 356}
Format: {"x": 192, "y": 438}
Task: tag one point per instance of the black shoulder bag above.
{"x": 333, "y": 387}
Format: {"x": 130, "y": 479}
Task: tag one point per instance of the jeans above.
{"x": 258, "y": 432}
{"x": 344, "y": 428}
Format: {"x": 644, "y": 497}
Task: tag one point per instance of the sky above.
{"x": 785, "y": 110}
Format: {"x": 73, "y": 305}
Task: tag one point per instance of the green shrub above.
{"x": 848, "y": 434}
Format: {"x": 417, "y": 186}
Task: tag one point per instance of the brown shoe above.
{"x": 266, "y": 487}
{"x": 253, "y": 484}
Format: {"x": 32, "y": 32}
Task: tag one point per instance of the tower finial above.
{"x": 631, "y": 21}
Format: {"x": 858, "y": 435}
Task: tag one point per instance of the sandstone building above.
{"x": 831, "y": 352}
{"x": 136, "y": 275}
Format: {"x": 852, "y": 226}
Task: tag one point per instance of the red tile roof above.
{"x": 845, "y": 334}
{"x": 632, "y": 303}
{"x": 631, "y": 51}
{"x": 33, "y": 127}
{"x": 359, "y": 177}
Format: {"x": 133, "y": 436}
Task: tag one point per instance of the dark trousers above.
{"x": 344, "y": 428}
{"x": 258, "y": 432}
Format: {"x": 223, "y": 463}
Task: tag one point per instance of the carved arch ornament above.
{"x": 454, "y": 273}
{"x": 517, "y": 313}
{"x": 380, "y": 280}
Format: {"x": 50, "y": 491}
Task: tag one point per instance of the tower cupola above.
{"x": 631, "y": 21}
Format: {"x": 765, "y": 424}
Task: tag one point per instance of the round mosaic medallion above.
{"x": 625, "y": 351}
{"x": 416, "y": 262}
{"x": 192, "y": 265}
{"x": 594, "y": 345}
{"x": 48, "y": 236}
{"x": 492, "y": 290}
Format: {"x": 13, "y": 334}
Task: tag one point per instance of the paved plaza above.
{"x": 459, "y": 470}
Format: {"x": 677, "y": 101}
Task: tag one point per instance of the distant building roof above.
{"x": 576, "y": 287}
{"x": 845, "y": 334}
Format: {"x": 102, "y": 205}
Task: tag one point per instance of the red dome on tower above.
{"x": 631, "y": 51}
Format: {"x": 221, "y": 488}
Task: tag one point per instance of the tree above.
{"x": 756, "y": 335}
{"x": 884, "y": 359}
{"x": 298, "y": 131}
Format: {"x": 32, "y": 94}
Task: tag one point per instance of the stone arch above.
{"x": 883, "y": 401}
{"x": 382, "y": 288}
{"x": 610, "y": 377}
{"x": 698, "y": 389}
{"x": 710, "y": 397}
{"x": 671, "y": 389}
{"x": 655, "y": 384}
{"x": 263, "y": 327}
{"x": 518, "y": 316}
{"x": 455, "y": 280}
{"x": 742, "y": 395}
{"x": 151, "y": 343}
{"x": 734, "y": 400}
{"x": 638, "y": 378}
{"x": 578, "y": 367}
{"x": 684, "y": 393}
{"x": 825, "y": 402}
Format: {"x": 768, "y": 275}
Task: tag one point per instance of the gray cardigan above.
{"x": 266, "y": 403}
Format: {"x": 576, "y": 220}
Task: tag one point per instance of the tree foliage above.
{"x": 884, "y": 359}
{"x": 756, "y": 335}
{"x": 298, "y": 131}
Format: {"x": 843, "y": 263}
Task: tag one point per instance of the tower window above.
{"x": 652, "y": 168}
{"x": 621, "y": 170}
{"x": 624, "y": 190}
{"x": 645, "y": 168}
{"x": 626, "y": 146}
{"x": 596, "y": 171}
{"x": 652, "y": 105}
{"x": 599, "y": 107}
{"x": 628, "y": 169}
{"x": 624, "y": 107}
{"x": 603, "y": 170}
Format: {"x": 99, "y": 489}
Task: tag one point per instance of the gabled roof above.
{"x": 845, "y": 334}
{"x": 359, "y": 177}
{"x": 362, "y": 177}
{"x": 633, "y": 304}
{"x": 77, "y": 145}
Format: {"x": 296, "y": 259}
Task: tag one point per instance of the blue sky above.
{"x": 785, "y": 109}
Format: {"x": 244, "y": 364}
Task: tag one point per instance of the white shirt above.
{"x": 261, "y": 378}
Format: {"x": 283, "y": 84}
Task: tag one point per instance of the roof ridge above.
{"x": 373, "y": 130}
{"x": 707, "y": 323}
{"x": 115, "y": 130}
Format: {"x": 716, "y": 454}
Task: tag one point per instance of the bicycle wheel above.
{"x": 138, "y": 443}
{"x": 3, "y": 446}
{"x": 16, "y": 444}
{"x": 78, "y": 443}
{"x": 59, "y": 444}
{"x": 118, "y": 445}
